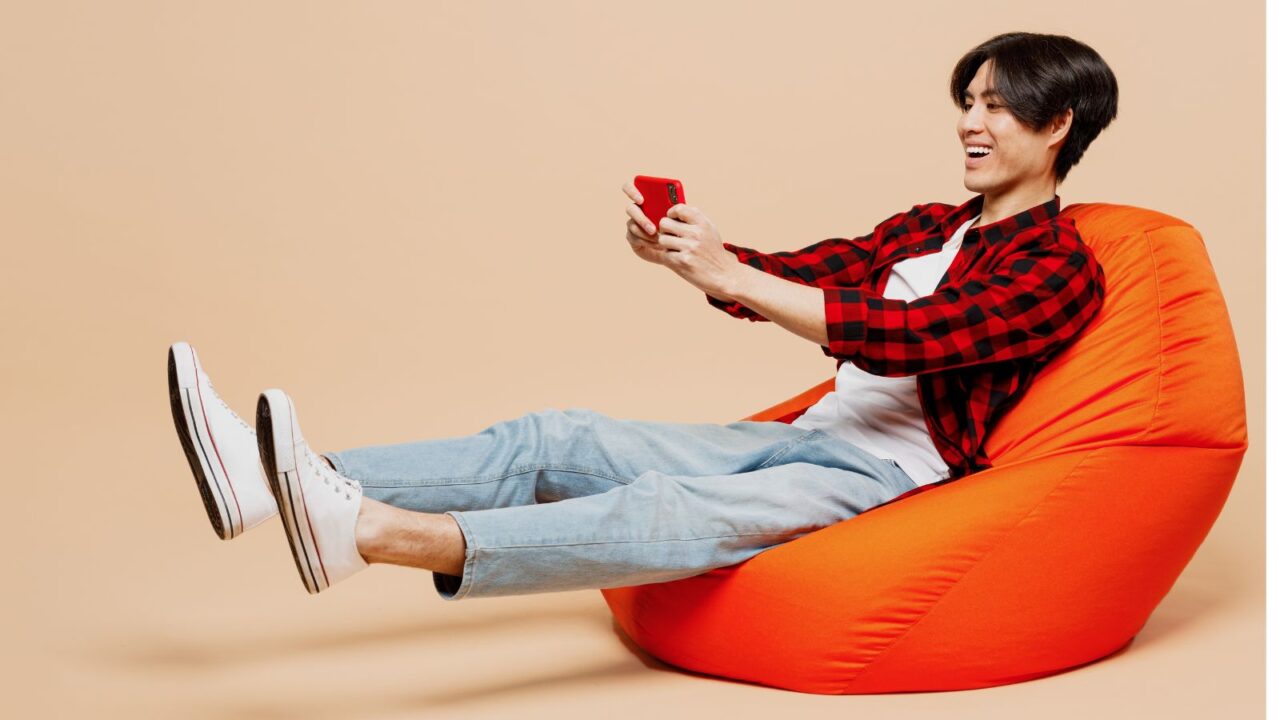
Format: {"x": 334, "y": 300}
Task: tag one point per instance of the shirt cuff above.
{"x": 736, "y": 309}
{"x": 721, "y": 304}
{"x": 846, "y": 315}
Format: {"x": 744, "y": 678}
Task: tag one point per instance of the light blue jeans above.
{"x": 573, "y": 499}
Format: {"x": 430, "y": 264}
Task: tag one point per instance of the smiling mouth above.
{"x": 973, "y": 160}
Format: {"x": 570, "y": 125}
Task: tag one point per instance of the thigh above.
{"x": 557, "y": 454}
{"x": 628, "y": 448}
{"x": 771, "y": 505}
{"x": 633, "y": 447}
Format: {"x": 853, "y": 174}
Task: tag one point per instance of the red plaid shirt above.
{"x": 1018, "y": 291}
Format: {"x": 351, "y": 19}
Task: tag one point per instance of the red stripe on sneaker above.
{"x": 302, "y": 490}
{"x": 209, "y": 430}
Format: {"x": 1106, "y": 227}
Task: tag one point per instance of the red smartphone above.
{"x": 659, "y": 195}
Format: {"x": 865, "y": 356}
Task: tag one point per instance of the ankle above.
{"x": 369, "y": 530}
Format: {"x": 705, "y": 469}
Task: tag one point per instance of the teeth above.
{"x": 977, "y": 149}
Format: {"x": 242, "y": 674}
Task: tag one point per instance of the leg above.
{"x": 657, "y": 529}
{"x": 388, "y": 534}
{"x": 554, "y": 455}
{"x": 660, "y": 527}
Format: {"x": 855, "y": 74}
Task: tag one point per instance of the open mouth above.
{"x": 975, "y": 158}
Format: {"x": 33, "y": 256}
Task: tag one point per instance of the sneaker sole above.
{"x": 201, "y": 451}
{"x": 279, "y": 458}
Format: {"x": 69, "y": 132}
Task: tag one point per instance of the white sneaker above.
{"x": 318, "y": 505}
{"x": 221, "y": 448}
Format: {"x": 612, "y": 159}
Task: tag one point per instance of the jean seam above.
{"x": 469, "y": 557}
{"x": 518, "y": 470}
{"x": 620, "y": 542}
{"x": 787, "y": 447}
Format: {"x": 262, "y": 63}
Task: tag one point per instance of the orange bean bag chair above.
{"x": 1106, "y": 477}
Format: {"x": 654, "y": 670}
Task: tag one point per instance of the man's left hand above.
{"x": 695, "y": 251}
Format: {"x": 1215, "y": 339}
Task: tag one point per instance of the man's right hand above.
{"x": 641, "y": 232}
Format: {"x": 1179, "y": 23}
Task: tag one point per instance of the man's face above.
{"x": 1018, "y": 155}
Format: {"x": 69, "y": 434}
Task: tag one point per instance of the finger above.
{"x": 630, "y": 189}
{"x": 641, "y": 245}
{"x": 657, "y": 242}
{"x": 675, "y": 242}
{"x": 639, "y": 218}
{"x": 634, "y": 229}
{"x": 648, "y": 249}
{"x": 687, "y": 213}
{"x": 674, "y": 227}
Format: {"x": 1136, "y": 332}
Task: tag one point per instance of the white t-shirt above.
{"x": 882, "y": 415}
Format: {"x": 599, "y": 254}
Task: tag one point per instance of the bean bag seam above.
{"x": 1155, "y": 408}
{"x": 880, "y": 655}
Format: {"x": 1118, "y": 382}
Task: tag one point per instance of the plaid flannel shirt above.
{"x": 1018, "y": 291}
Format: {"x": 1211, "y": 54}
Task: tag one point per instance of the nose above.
{"x": 971, "y": 122}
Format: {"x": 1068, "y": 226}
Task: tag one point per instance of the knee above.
{"x": 581, "y": 414}
{"x": 552, "y": 422}
{"x": 587, "y": 420}
{"x": 574, "y": 414}
{"x": 562, "y": 426}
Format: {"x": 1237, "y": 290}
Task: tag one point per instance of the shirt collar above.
{"x": 1003, "y": 229}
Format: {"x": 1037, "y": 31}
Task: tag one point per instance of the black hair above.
{"x": 1039, "y": 77}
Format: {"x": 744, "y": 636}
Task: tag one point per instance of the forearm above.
{"x": 799, "y": 308}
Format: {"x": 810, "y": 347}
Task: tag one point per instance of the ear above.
{"x": 1059, "y": 126}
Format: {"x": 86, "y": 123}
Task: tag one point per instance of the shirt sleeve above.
{"x": 826, "y": 263}
{"x": 1037, "y": 297}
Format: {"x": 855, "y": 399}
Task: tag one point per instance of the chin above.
{"x": 978, "y": 184}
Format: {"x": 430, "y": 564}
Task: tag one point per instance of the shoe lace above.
{"x": 224, "y": 404}
{"x": 339, "y": 482}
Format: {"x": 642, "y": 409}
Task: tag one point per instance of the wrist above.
{"x": 735, "y": 283}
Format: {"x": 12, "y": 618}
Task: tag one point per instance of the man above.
{"x": 938, "y": 319}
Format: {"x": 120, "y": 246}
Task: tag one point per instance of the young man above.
{"x": 938, "y": 319}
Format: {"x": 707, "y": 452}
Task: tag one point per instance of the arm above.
{"x": 826, "y": 263}
{"x": 759, "y": 296}
{"x": 1037, "y": 298}
{"x": 801, "y": 267}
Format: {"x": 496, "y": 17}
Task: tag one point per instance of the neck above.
{"x": 997, "y": 206}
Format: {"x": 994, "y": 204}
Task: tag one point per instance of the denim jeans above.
{"x": 573, "y": 499}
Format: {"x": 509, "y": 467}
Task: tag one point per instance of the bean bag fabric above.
{"x": 1106, "y": 477}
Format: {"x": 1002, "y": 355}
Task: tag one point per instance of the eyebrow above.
{"x": 985, "y": 94}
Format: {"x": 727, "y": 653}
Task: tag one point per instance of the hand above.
{"x": 641, "y": 232}
{"x": 687, "y": 242}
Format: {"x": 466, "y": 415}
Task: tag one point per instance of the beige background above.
{"x": 409, "y": 216}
